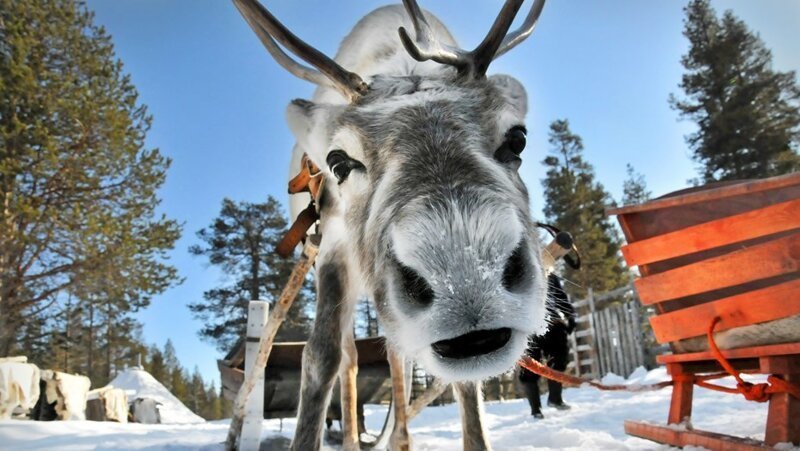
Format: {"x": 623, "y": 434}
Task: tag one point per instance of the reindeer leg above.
{"x": 470, "y": 402}
{"x": 400, "y": 439}
{"x": 348, "y": 372}
{"x": 322, "y": 354}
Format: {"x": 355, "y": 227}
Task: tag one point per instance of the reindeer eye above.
{"x": 508, "y": 152}
{"x": 341, "y": 164}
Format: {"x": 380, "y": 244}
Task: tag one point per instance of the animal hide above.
{"x": 107, "y": 404}
{"x": 68, "y": 392}
{"x": 145, "y": 410}
{"x": 19, "y": 385}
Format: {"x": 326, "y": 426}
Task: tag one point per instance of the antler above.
{"x": 474, "y": 63}
{"x": 328, "y": 73}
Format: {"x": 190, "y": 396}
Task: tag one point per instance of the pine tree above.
{"x": 174, "y": 371}
{"x": 634, "y": 188}
{"x": 179, "y": 384}
{"x": 748, "y": 115}
{"x": 227, "y": 406}
{"x": 77, "y": 185}
{"x": 156, "y": 367}
{"x": 241, "y": 241}
{"x": 197, "y": 393}
{"x": 214, "y": 409}
{"x": 575, "y": 202}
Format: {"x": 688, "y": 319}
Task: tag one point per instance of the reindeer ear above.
{"x": 513, "y": 91}
{"x": 299, "y": 115}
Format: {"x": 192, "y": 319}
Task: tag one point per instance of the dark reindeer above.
{"x": 423, "y": 210}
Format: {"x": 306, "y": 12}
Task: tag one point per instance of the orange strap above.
{"x": 752, "y": 392}
{"x": 575, "y": 381}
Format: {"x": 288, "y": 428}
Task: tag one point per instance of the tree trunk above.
{"x": 109, "y": 340}
{"x": 6, "y": 336}
{"x": 5, "y": 332}
{"x": 90, "y": 355}
{"x": 67, "y": 335}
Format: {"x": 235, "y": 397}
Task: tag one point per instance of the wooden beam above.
{"x": 268, "y": 332}
{"x": 740, "y": 353}
{"x": 758, "y": 306}
{"x": 420, "y": 402}
{"x": 762, "y": 261}
{"x": 681, "y": 438}
{"x": 732, "y": 229}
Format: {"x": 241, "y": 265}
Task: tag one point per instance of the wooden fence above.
{"x": 612, "y": 335}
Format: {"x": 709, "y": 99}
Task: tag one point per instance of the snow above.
{"x": 594, "y": 422}
{"x": 138, "y": 383}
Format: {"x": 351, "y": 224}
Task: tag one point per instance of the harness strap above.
{"x": 308, "y": 180}
{"x": 298, "y": 231}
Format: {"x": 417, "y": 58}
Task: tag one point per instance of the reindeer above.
{"x": 423, "y": 209}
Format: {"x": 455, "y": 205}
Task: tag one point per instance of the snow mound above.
{"x": 639, "y": 376}
{"x": 144, "y": 385}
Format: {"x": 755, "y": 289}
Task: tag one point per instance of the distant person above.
{"x": 552, "y": 345}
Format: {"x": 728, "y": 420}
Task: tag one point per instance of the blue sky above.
{"x": 218, "y": 101}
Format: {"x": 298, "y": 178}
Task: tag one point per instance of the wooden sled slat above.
{"x": 773, "y": 258}
{"x": 753, "y": 307}
{"x": 732, "y": 229}
{"x": 714, "y": 194}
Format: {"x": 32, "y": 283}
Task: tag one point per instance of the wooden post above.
{"x": 618, "y": 349}
{"x": 595, "y": 367}
{"x": 783, "y": 417}
{"x": 680, "y": 405}
{"x": 576, "y": 356}
{"x": 348, "y": 386}
{"x": 267, "y": 335}
{"x": 637, "y": 328}
{"x": 254, "y": 404}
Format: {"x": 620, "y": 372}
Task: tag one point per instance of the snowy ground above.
{"x": 594, "y": 423}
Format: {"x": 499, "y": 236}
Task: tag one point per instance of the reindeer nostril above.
{"x": 514, "y": 274}
{"x": 473, "y": 344}
{"x": 415, "y": 286}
